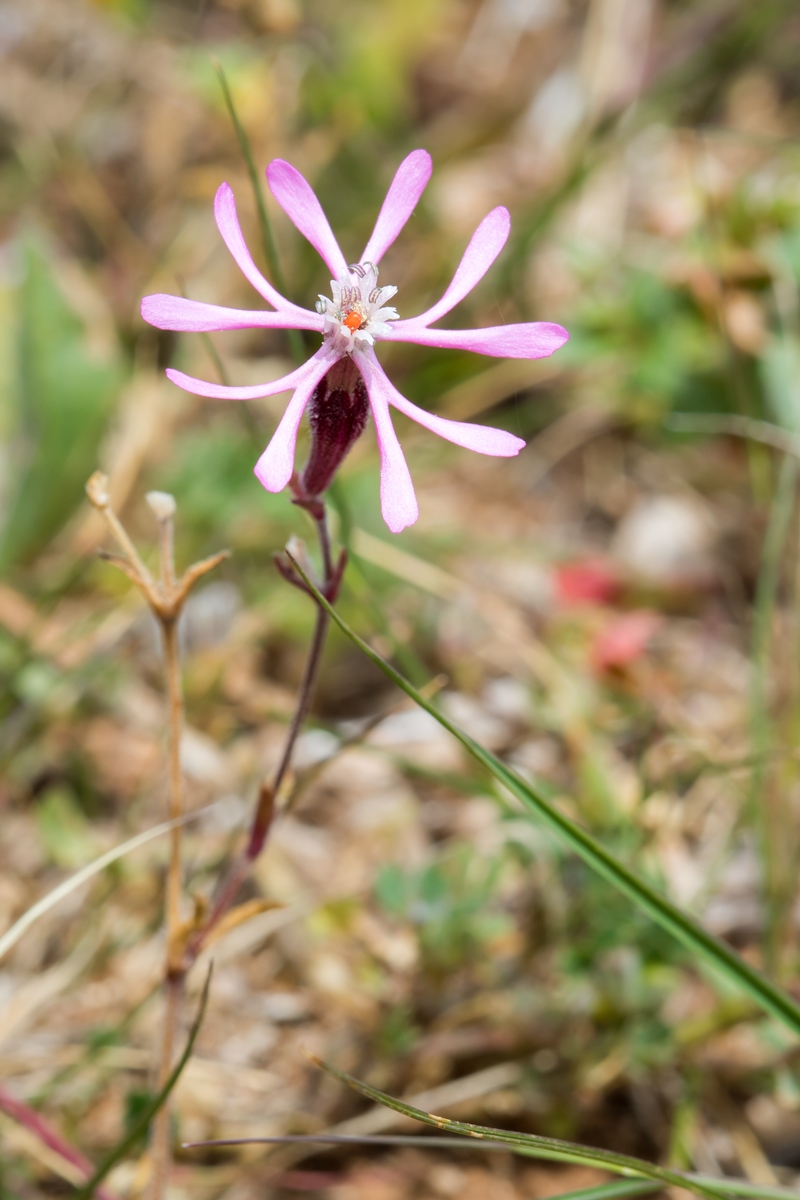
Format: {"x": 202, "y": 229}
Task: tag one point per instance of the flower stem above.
{"x": 307, "y": 688}
{"x": 295, "y": 338}
{"x": 265, "y": 808}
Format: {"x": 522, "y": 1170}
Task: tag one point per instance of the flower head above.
{"x": 351, "y": 321}
{"x": 357, "y": 314}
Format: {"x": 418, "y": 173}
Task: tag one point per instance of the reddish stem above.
{"x": 265, "y": 808}
{"x": 50, "y": 1137}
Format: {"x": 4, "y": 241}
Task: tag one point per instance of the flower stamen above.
{"x": 357, "y": 314}
{"x": 353, "y": 320}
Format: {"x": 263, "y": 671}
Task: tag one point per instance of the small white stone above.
{"x": 667, "y": 540}
{"x": 314, "y": 746}
{"x": 285, "y": 1007}
{"x": 507, "y": 698}
{"x": 473, "y": 718}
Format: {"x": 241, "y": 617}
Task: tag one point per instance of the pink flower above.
{"x": 351, "y": 321}
{"x": 624, "y": 639}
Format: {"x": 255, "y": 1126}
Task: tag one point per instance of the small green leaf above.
{"x": 780, "y": 372}
{"x": 391, "y": 887}
{"x": 62, "y": 394}
{"x": 65, "y": 832}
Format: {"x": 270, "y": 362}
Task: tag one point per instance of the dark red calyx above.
{"x": 337, "y": 413}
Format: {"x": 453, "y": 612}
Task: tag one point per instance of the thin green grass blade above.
{"x": 682, "y": 926}
{"x": 617, "y": 1190}
{"x": 612, "y": 1191}
{"x": 751, "y": 1191}
{"x": 242, "y": 406}
{"x": 552, "y": 1149}
{"x": 603, "y": 1191}
{"x": 267, "y": 238}
{"x": 324, "y": 1140}
{"x": 216, "y": 358}
{"x": 733, "y": 424}
{"x": 53, "y": 898}
{"x": 151, "y": 1108}
{"x": 734, "y": 1187}
{"x": 774, "y": 887}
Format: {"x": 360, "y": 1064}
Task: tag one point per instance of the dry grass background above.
{"x": 614, "y": 612}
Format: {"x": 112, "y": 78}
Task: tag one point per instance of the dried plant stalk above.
{"x": 166, "y": 597}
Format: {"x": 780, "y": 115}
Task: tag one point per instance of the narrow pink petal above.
{"x": 404, "y": 192}
{"x": 274, "y": 468}
{"x": 537, "y": 339}
{"x": 485, "y": 244}
{"x": 398, "y": 501}
{"x": 229, "y": 227}
{"x": 296, "y": 197}
{"x": 314, "y": 369}
{"x": 480, "y": 438}
{"x": 173, "y": 312}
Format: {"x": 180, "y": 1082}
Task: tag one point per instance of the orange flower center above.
{"x": 353, "y": 321}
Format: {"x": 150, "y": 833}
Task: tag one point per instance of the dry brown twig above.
{"x": 165, "y": 597}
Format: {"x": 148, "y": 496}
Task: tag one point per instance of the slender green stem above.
{"x": 242, "y": 406}
{"x": 267, "y": 238}
{"x": 767, "y": 820}
{"x": 735, "y": 425}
